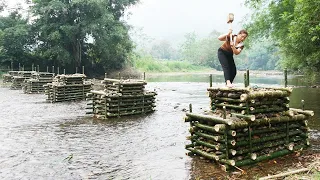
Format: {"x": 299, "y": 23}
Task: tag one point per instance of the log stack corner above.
{"x": 37, "y": 82}
{"x": 121, "y": 98}
{"x": 68, "y": 87}
{"x": 246, "y": 126}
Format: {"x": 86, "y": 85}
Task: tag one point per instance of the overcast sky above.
{"x": 165, "y": 19}
{"x": 172, "y": 19}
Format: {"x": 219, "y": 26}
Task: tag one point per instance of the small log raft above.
{"x": 247, "y": 126}
{"x": 19, "y": 77}
{"x": 37, "y": 82}
{"x": 249, "y": 101}
{"x": 121, "y": 98}
{"x": 124, "y": 86}
{"x": 7, "y": 78}
{"x": 67, "y": 88}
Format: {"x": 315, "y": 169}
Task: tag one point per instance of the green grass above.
{"x": 149, "y": 64}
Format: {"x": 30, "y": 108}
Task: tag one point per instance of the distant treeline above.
{"x": 293, "y": 27}
{"x": 202, "y": 51}
{"x": 68, "y": 35}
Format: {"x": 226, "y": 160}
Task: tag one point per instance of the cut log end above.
{"x": 290, "y": 146}
{"x": 253, "y": 156}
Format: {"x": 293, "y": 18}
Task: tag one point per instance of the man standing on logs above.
{"x": 233, "y": 44}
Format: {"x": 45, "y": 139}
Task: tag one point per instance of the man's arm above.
{"x": 223, "y": 37}
{"x": 236, "y": 51}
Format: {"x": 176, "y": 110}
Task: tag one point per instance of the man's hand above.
{"x": 230, "y": 32}
{"x": 231, "y": 43}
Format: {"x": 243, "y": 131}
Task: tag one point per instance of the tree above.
{"x": 202, "y": 51}
{"x": 82, "y": 32}
{"x": 294, "y": 26}
{"x": 14, "y": 39}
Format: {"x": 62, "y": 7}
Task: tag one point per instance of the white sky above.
{"x": 170, "y": 19}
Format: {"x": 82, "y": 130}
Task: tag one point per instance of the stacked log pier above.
{"x": 263, "y": 128}
{"x": 37, "y": 82}
{"x": 19, "y": 79}
{"x": 67, "y": 88}
{"x": 7, "y": 78}
{"x": 121, "y": 98}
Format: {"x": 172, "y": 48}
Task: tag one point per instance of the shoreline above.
{"x": 215, "y": 72}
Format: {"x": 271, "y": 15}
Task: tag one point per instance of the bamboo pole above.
{"x": 285, "y": 77}
{"x": 245, "y": 79}
{"x": 302, "y": 104}
{"x": 285, "y": 174}
{"x": 248, "y": 78}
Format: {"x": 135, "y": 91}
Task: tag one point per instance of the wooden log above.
{"x": 212, "y": 129}
{"x": 268, "y": 130}
{"x": 215, "y": 138}
{"x": 267, "y": 110}
{"x": 227, "y": 89}
{"x": 229, "y": 100}
{"x": 268, "y": 138}
{"x": 204, "y": 154}
{"x": 216, "y": 147}
{"x": 261, "y": 122}
{"x": 304, "y": 112}
{"x": 269, "y": 144}
{"x": 209, "y": 118}
{"x": 280, "y": 175}
{"x": 261, "y": 94}
{"x": 228, "y": 106}
{"x": 245, "y": 117}
{"x": 267, "y": 156}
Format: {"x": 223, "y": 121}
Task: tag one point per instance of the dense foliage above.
{"x": 68, "y": 34}
{"x": 294, "y": 27}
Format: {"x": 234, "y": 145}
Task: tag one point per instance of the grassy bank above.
{"x": 149, "y": 64}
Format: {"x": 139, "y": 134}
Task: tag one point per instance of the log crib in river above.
{"x": 121, "y": 98}
{"x": 247, "y": 125}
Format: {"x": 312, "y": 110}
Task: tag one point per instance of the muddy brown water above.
{"x": 40, "y": 140}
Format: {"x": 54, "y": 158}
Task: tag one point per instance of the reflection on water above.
{"x": 40, "y": 140}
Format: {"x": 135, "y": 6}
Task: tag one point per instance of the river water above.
{"x": 40, "y": 140}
